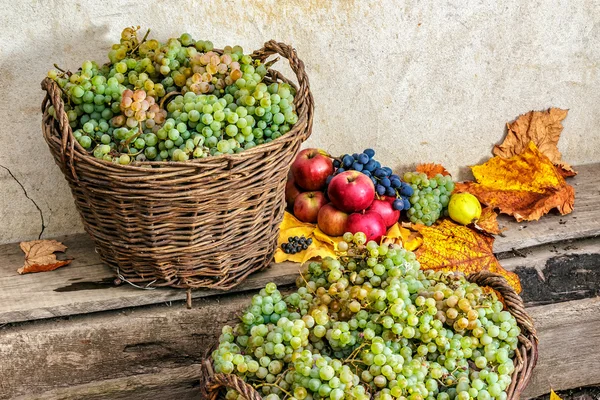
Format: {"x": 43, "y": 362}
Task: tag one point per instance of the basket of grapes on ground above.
{"x": 372, "y": 324}
{"x": 177, "y": 154}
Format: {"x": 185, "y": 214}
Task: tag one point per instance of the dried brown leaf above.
{"x": 540, "y": 127}
{"x": 432, "y": 169}
{"x": 40, "y": 257}
{"x": 488, "y": 222}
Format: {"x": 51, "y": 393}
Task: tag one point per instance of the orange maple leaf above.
{"x": 488, "y": 222}
{"x": 40, "y": 257}
{"x": 431, "y": 169}
{"x": 451, "y": 247}
{"x": 526, "y": 185}
{"x": 540, "y": 127}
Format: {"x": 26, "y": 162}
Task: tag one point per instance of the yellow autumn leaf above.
{"x": 324, "y": 238}
{"x": 525, "y": 186}
{"x": 554, "y": 396}
{"x": 322, "y": 245}
{"x": 451, "y": 247}
{"x": 410, "y": 240}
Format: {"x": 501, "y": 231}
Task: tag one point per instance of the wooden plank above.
{"x": 86, "y": 285}
{"x": 569, "y": 346}
{"x": 120, "y": 351}
{"x": 179, "y": 383}
{"x": 558, "y": 272}
{"x": 58, "y": 354}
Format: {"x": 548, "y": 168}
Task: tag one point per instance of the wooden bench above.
{"x": 70, "y": 334}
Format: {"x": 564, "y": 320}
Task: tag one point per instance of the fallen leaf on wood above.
{"x": 432, "y": 169}
{"x": 451, "y": 247}
{"x": 540, "y": 127}
{"x": 488, "y": 222}
{"x": 526, "y": 185}
{"x": 554, "y": 396}
{"x": 40, "y": 257}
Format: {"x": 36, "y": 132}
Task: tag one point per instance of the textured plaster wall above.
{"x": 416, "y": 80}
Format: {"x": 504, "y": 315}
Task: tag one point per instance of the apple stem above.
{"x": 326, "y": 154}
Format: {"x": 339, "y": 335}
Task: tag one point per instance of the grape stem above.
{"x": 307, "y": 285}
{"x": 131, "y": 139}
{"x": 60, "y": 69}
{"x": 274, "y": 385}
{"x": 139, "y": 43}
{"x": 354, "y": 352}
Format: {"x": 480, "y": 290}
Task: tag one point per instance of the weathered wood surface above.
{"x": 169, "y": 383}
{"x": 558, "y": 272}
{"x": 86, "y": 285}
{"x": 130, "y": 354}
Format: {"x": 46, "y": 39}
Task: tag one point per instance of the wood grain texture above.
{"x": 130, "y": 354}
{"x": 85, "y": 285}
{"x": 61, "y": 353}
{"x": 558, "y": 272}
{"x": 179, "y": 383}
{"x": 569, "y": 354}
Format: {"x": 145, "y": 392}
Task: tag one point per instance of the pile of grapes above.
{"x": 219, "y": 103}
{"x": 386, "y": 183}
{"x": 430, "y": 197}
{"x": 372, "y": 325}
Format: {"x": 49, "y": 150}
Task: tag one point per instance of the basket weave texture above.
{"x": 204, "y": 223}
{"x": 212, "y": 385}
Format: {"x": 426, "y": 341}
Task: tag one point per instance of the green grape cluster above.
{"x": 174, "y": 101}
{"x": 372, "y": 325}
{"x": 430, "y": 199}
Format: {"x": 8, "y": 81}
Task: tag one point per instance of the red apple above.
{"x": 387, "y": 212}
{"x": 291, "y": 192}
{"x": 370, "y": 223}
{"x": 351, "y": 191}
{"x": 311, "y": 169}
{"x": 331, "y": 220}
{"x": 307, "y": 206}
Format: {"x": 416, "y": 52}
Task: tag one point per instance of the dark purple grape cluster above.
{"x": 296, "y": 244}
{"x": 386, "y": 182}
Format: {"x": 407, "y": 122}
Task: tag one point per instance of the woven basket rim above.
{"x": 304, "y": 114}
{"x": 211, "y": 384}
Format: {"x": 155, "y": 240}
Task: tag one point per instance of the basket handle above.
{"x": 304, "y": 98}
{"x": 512, "y": 300}
{"x": 211, "y": 383}
{"x": 68, "y": 142}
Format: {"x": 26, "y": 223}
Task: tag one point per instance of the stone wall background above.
{"x": 432, "y": 81}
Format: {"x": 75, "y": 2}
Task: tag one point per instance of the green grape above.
{"x": 430, "y": 198}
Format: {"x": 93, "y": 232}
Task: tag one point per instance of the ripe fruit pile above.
{"x": 354, "y": 204}
{"x": 386, "y": 183}
{"x": 430, "y": 198}
{"x": 372, "y": 325}
{"x": 219, "y": 104}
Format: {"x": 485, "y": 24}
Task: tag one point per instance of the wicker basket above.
{"x": 205, "y": 223}
{"x": 211, "y": 384}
